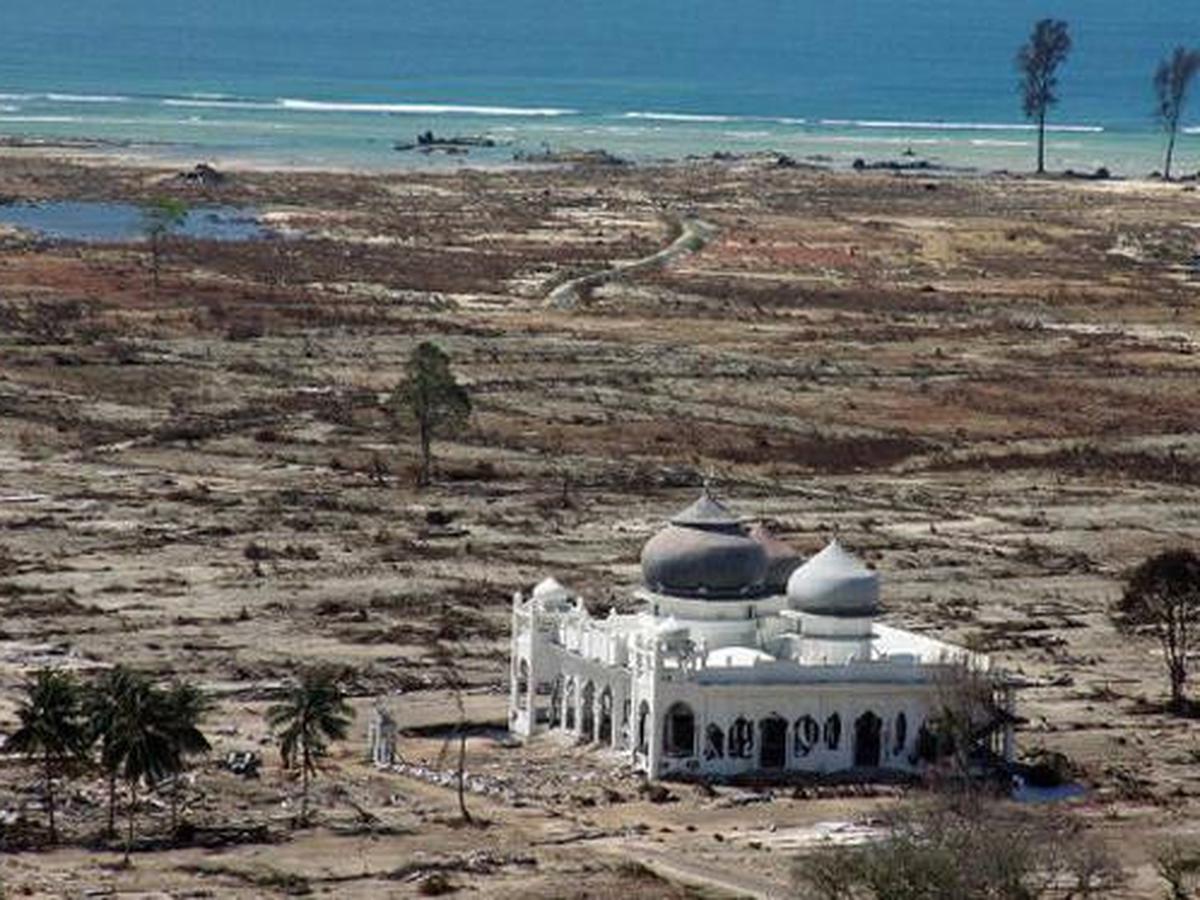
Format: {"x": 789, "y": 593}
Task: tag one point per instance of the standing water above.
{"x": 103, "y": 222}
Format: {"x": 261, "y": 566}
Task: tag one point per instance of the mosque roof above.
{"x": 707, "y": 512}
{"x": 834, "y": 582}
{"x": 782, "y": 558}
{"x": 705, "y": 552}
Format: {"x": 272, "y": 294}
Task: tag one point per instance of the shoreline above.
{"x": 101, "y": 155}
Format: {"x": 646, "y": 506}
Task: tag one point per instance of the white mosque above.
{"x": 742, "y": 660}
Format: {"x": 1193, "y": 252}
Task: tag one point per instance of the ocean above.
{"x": 313, "y": 83}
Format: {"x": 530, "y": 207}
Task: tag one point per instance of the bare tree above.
{"x": 1038, "y": 62}
{"x": 1172, "y": 79}
{"x": 937, "y": 848}
{"x": 1162, "y": 596}
{"x": 446, "y": 657}
{"x": 963, "y": 722}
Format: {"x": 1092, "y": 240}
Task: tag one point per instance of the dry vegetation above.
{"x": 987, "y": 387}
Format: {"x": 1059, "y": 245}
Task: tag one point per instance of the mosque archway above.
{"x": 679, "y": 731}
{"x": 556, "y": 701}
{"x": 569, "y": 706}
{"x": 605, "y": 729}
{"x": 900, "y": 735}
{"x": 772, "y": 752}
{"x": 523, "y": 682}
{"x": 868, "y": 741}
{"x": 587, "y": 712}
{"x": 643, "y": 725}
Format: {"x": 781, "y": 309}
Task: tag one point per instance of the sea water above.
{"x": 339, "y": 82}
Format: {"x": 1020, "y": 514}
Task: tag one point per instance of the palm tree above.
{"x": 52, "y": 728}
{"x": 186, "y": 705}
{"x": 312, "y": 713}
{"x": 102, "y": 704}
{"x": 143, "y": 745}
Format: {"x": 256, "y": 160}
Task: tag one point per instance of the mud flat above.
{"x": 987, "y": 386}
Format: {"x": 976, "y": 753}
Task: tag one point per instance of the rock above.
{"x": 656, "y": 793}
{"x": 203, "y": 175}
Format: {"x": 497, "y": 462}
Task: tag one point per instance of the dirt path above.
{"x": 682, "y": 869}
{"x": 693, "y": 235}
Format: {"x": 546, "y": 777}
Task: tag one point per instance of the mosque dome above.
{"x": 834, "y": 583}
{"x": 705, "y": 552}
{"x": 782, "y": 558}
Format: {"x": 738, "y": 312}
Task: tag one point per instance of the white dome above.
{"x": 835, "y": 583}
{"x": 550, "y": 592}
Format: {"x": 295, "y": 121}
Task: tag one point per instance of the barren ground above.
{"x": 988, "y": 387}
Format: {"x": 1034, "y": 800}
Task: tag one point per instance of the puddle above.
{"x": 99, "y": 222}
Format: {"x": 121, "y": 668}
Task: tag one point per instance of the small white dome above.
{"x": 549, "y": 590}
{"x": 835, "y": 583}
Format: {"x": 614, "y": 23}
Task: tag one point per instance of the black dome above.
{"x": 705, "y": 552}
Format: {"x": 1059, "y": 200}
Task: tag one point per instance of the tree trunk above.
{"x": 49, "y": 773}
{"x": 174, "y": 806}
{"x": 1178, "y": 681}
{"x": 462, "y": 772}
{"x": 426, "y": 453}
{"x": 1041, "y": 148}
{"x": 1170, "y": 153}
{"x": 132, "y": 813}
{"x": 112, "y": 803}
{"x": 304, "y": 788}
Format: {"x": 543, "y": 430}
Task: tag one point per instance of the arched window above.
{"x": 679, "y": 731}
{"x": 901, "y": 734}
{"x": 714, "y": 742}
{"x": 523, "y": 681}
{"x": 741, "y": 738}
{"x": 927, "y": 744}
{"x": 868, "y": 740}
{"x": 606, "y": 716}
{"x": 569, "y": 706}
{"x": 556, "y": 701}
{"x": 833, "y": 731}
{"x": 643, "y": 723}
{"x": 808, "y": 734}
{"x": 587, "y": 712}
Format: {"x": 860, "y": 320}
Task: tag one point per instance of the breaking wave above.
{"x": 421, "y": 108}
{"x": 957, "y": 126}
{"x": 87, "y": 98}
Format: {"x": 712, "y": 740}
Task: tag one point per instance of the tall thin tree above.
{"x": 160, "y": 218}
{"x": 185, "y": 706}
{"x": 431, "y": 398}
{"x": 1038, "y": 62}
{"x": 102, "y": 705}
{"x": 312, "y": 714}
{"x": 142, "y": 743}
{"x": 52, "y": 729}
{"x": 1172, "y": 79}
